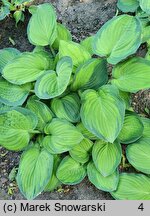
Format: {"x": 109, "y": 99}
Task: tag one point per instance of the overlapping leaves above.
{"x": 35, "y": 169}
{"x": 132, "y": 187}
{"x": 132, "y": 75}
{"x": 102, "y": 112}
{"x": 16, "y": 126}
{"x": 118, "y": 38}
{"x": 52, "y": 84}
{"x": 25, "y": 68}
{"x": 61, "y": 137}
{"x": 13, "y": 95}
{"x": 75, "y": 117}
{"x": 128, "y": 5}
{"x": 39, "y": 33}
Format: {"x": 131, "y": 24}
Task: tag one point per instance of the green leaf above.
{"x": 85, "y": 132}
{"x": 132, "y": 75}
{"x": 4, "y": 108}
{"x": 6, "y": 55}
{"x": 87, "y": 43}
{"x": 108, "y": 183}
{"x": 19, "y": 16}
{"x": 132, "y": 128}
{"x": 52, "y": 84}
{"x": 16, "y": 126}
{"x": 41, "y": 51}
{"x": 4, "y": 11}
{"x": 54, "y": 182}
{"x": 91, "y": 75}
{"x": 62, "y": 136}
{"x": 12, "y": 174}
{"x": 25, "y": 68}
{"x": 145, "y": 5}
{"x": 138, "y": 155}
{"x": 35, "y": 170}
{"x": 62, "y": 34}
{"x": 42, "y": 27}
{"x": 102, "y": 112}
{"x": 13, "y": 95}
{"x": 70, "y": 172}
{"x": 106, "y": 156}
{"x": 32, "y": 9}
{"x": 145, "y": 28}
{"x": 146, "y": 123}
{"x": 132, "y": 187}
{"x": 126, "y": 97}
{"x": 118, "y": 38}
{"x": 74, "y": 50}
{"x": 81, "y": 152}
{"x": 128, "y": 5}
{"x": 67, "y": 107}
{"x": 43, "y": 113}
{"x": 146, "y": 34}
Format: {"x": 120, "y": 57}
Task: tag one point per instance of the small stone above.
{"x": 4, "y": 180}
{"x": 75, "y": 31}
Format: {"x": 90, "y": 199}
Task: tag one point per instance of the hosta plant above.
{"x": 15, "y": 8}
{"x": 69, "y": 116}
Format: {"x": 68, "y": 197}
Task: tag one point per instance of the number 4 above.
{"x": 141, "y": 207}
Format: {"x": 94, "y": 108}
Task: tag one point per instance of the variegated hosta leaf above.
{"x": 67, "y": 107}
{"x": 35, "y": 170}
{"x": 132, "y": 75}
{"x": 74, "y": 50}
{"x": 145, "y": 5}
{"x": 145, "y": 28}
{"x": 70, "y": 172}
{"x": 146, "y": 34}
{"x": 15, "y": 128}
{"x": 62, "y": 136}
{"x": 146, "y": 123}
{"x": 47, "y": 55}
{"x": 132, "y": 128}
{"x": 54, "y": 181}
{"x": 81, "y": 152}
{"x": 132, "y": 187}
{"x": 13, "y": 95}
{"x": 42, "y": 28}
{"x": 87, "y": 43}
{"x": 106, "y": 156}
{"x": 6, "y": 55}
{"x": 91, "y": 75}
{"x": 108, "y": 183}
{"x": 126, "y": 97}
{"x": 118, "y": 38}
{"x": 62, "y": 34}
{"x": 138, "y": 155}
{"x": 128, "y": 5}
{"x": 85, "y": 132}
{"x": 52, "y": 84}
{"x": 25, "y": 68}
{"x": 4, "y": 108}
{"x": 43, "y": 113}
{"x": 102, "y": 112}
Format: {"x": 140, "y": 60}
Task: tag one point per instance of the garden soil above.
{"x": 83, "y": 18}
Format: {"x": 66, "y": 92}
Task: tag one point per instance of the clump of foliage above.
{"x": 68, "y": 116}
{"x": 15, "y": 8}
